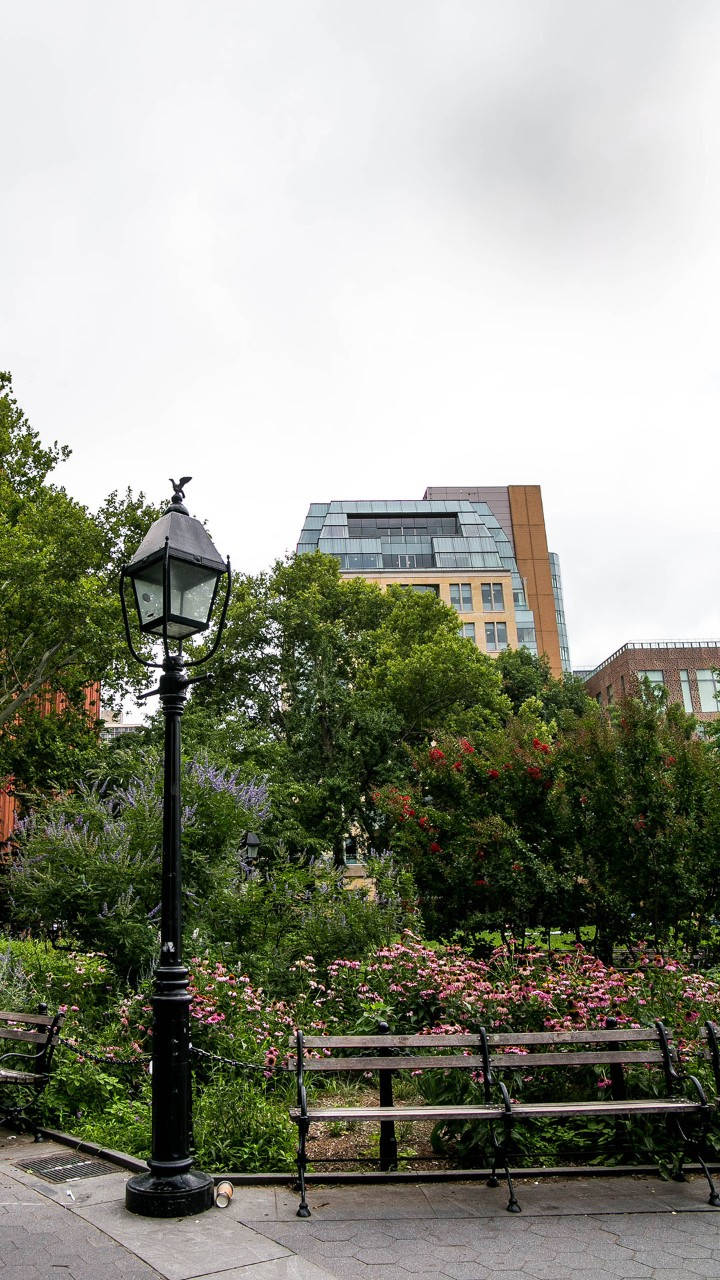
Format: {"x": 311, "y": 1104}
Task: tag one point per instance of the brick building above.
{"x": 47, "y": 702}
{"x": 686, "y": 668}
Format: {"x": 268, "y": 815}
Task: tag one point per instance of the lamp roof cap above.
{"x": 186, "y": 537}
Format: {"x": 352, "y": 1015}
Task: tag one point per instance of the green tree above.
{"x": 60, "y": 621}
{"x": 325, "y": 683}
{"x": 526, "y": 676}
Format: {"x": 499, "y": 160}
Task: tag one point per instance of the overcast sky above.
{"x": 316, "y": 249}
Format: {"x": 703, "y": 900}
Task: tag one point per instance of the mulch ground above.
{"x": 335, "y": 1146}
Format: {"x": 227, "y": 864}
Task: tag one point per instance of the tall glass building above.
{"x": 481, "y": 551}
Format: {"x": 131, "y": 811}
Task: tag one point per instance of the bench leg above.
{"x": 500, "y": 1157}
{"x": 696, "y": 1145}
{"x": 699, "y": 1146}
{"x": 303, "y": 1208}
{"x": 713, "y": 1198}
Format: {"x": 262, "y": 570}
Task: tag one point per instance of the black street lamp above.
{"x": 175, "y": 575}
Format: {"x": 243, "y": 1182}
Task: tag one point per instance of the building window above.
{"x": 686, "y": 693}
{"x": 467, "y": 630}
{"x": 408, "y": 560}
{"x": 708, "y": 688}
{"x": 461, "y": 596}
{"x": 359, "y": 560}
{"x": 526, "y": 635}
{"x": 426, "y": 586}
{"x": 622, "y": 686}
{"x": 495, "y": 636}
{"x": 397, "y": 528}
{"x": 492, "y": 597}
{"x": 519, "y": 598}
{"x": 609, "y": 695}
{"x": 655, "y": 677}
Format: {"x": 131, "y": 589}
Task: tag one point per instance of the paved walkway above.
{"x": 576, "y": 1230}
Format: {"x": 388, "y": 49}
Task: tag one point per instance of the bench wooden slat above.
{"x": 482, "y": 1112}
{"x": 573, "y": 1037}
{"x": 473, "y": 1061}
{"x": 31, "y": 1037}
{"x": 419, "y": 1062}
{"x": 574, "y": 1058}
{"x": 527, "y": 1111}
{"x": 35, "y": 1019}
{"x": 28, "y": 1077}
{"x": 386, "y": 1042}
{"x": 598, "y": 1036}
{"x": 536, "y": 1110}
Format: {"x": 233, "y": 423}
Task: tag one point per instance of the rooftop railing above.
{"x": 655, "y": 644}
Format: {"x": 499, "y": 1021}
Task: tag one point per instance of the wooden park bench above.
{"x": 38, "y": 1034}
{"x": 512, "y": 1055}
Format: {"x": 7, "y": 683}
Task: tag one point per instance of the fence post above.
{"x": 388, "y": 1143}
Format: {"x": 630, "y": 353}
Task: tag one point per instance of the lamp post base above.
{"x": 175, "y": 1196}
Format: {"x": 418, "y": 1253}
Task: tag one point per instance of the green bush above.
{"x": 34, "y": 972}
{"x": 238, "y": 1125}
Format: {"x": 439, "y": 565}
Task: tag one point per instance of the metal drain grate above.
{"x": 66, "y": 1168}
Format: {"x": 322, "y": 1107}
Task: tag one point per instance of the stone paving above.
{"x": 579, "y": 1229}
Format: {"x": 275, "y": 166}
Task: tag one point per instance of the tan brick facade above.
{"x": 478, "y": 616}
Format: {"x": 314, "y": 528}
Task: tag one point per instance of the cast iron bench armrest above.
{"x": 41, "y": 1030}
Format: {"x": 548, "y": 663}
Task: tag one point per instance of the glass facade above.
{"x": 560, "y": 611}
{"x": 442, "y": 534}
{"x": 431, "y": 537}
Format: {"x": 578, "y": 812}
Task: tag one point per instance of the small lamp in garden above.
{"x": 252, "y": 847}
{"x": 175, "y": 576}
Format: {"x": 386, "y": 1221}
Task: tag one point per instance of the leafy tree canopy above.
{"x": 526, "y": 676}
{"x": 60, "y": 621}
{"x": 325, "y": 683}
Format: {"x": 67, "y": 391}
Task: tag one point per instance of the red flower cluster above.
{"x": 493, "y": 773}
{"x": 458, "y": 766}
{"x": 435, "y": 754}
{"x": 534, "y": 772}
{"x": 466, "y": 746}
{"x": 435, "y": 847}
{"x": 541, "y": 746}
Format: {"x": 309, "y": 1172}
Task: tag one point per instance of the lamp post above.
{"x": 175, "y": 575}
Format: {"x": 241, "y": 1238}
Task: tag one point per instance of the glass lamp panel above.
{"x": 192, "y": 591}
{"x": 148, "y": 588}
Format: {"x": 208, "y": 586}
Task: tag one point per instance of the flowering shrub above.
{"x": 609, "y": 822}
{"x": 412, "y": 986}
{"x": 90, "y": 861}
{"x": 415, "y": 987}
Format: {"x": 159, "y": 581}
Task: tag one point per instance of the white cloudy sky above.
{"x": 314, "y": 249}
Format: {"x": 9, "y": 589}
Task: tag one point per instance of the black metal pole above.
{"x": 171, "y": 1188}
